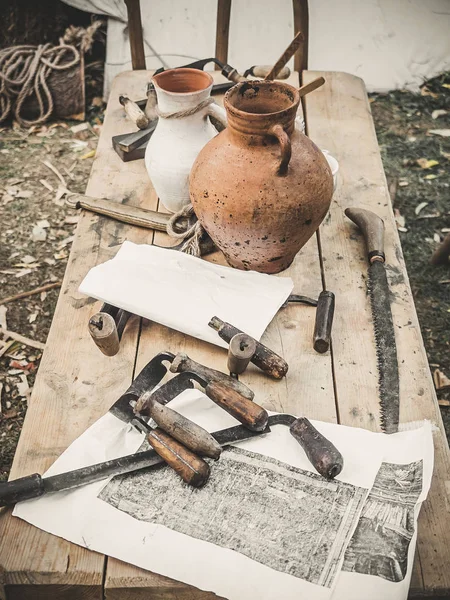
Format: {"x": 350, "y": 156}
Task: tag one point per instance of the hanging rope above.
{"x": 192, "y": 234}
{"x": 24, "y": 71}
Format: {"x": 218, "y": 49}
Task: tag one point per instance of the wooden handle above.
{"x": 261, "y": 71}
{"x": 253, "y": 416}
{"x": 264, "y": 358}
{"x": 184, "y": 430}
{"x": 287, "y": 54}
{"x": 285, "y": 144}
{"x": 18, "y": 490}
{"x": 372, "y": 227}
{"x": 124, "y": 213}
{"x": 103, "y": 330}
{"x": 134, "y": 112}
{"x": 311, "y": 86}
{"x": 191, "y": 468}
{"x": 323, "y": 455}
{"x": 324, "y": 322}
{"x": 182, "y": 363}
{"x": 242, "y": 348}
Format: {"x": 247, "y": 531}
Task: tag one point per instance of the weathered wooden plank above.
{"x": 76, "y": 384}
{"x": 339, "y": 119}
{"x": 307, "y": 389}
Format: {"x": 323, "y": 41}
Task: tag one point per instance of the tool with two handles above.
{"x": 176, "y": 440}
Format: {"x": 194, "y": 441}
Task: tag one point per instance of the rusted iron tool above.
{"x": 240, "y": 352}
{"x": 321, "y": 453}
{"x": 35, "y": 486}
{"x": 264, "y": 358}
{"x": 106, "y": 328}
{"x": 372, "y": 227}
{"x": 182, "y": 363}
{"x": 324, "y": 322}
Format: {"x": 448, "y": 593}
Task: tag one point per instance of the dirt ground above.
{"x": 36, "y": 228}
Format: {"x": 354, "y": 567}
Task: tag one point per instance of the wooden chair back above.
{"x": 301, "y": 23}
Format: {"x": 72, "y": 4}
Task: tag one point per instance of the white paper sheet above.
{"x": 142, "y": 518}
{"x": 184, "y": 292}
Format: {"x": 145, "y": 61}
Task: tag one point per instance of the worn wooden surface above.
{"x": 76, "y": 383}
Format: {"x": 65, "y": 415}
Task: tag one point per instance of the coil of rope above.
{"x": 24, "y": 71}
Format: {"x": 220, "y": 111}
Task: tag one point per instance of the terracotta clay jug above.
{"x": 178, "y": 139}
{"x": 261, "y": 188}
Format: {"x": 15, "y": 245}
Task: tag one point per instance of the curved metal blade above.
{"x": 385, "y": 345}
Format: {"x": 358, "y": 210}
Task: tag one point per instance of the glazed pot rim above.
{"x": 197, "y": 72}
{"x": 251, "y": 115}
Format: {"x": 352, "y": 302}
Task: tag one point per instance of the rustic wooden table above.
{"x": 77, "y": 384}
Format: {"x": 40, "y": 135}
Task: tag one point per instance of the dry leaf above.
{"x": 399, "y": 219}
{"x": 403, "y": 183}
{"x": 91, "y": 154}
{"x": 443, "y": 402}
{"x": 441, "y": 381}
{"x": 426, "y": 92}
{"x": 72, "y": 220}
{"x": 22, "y": 387}
{"x": 431, "y": 176}
{"x": 446, "y": 85}
{"x": 24, "y": 194}
{"x": 10, "y": 414}
{"x": 436, "y": 238}
{"x": 445, "y": 282}
{"x": 43, "y": 223}
{"x": 38, "y": 234}
{"x": 3, "y": 311}
{"x": 43, "y": 296}
{"x": 28, "y": 259}
{"x": 441, "y": 132}
{"x": 420, "y": 207}
{"x": 424, "y": 163}
{"x": 438, "y": 113}
{"x": 32, "y": 318}
{"x": 23, "y": 272}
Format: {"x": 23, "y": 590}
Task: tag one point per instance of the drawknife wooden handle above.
{"x": 253, "y": 416}
{"x": 191, "y": 468}
{"x": 372, "y": 227}
{"x": 323, "y": 455}
{"x": 125, "y": 213}
{"x": 134, "y": 112}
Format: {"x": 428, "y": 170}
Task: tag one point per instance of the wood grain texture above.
{"x": 76, "y": 383}
{"x": 307, "y": 389}
{"x": 222, "y": 30}
{"x": 339, "y": 119}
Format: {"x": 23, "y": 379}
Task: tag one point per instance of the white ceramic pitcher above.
{"x": 176, "y": 142}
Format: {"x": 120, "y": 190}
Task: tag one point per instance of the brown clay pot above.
{"x": 261, "y": 188}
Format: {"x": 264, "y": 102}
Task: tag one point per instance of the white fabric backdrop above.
{"x": 388, "y": 43}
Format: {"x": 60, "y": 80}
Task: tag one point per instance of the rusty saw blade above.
{"x": 372, "y": 228}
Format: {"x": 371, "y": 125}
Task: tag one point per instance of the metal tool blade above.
{"x": 385, "y": 346}
{"x": 135, "y": 462}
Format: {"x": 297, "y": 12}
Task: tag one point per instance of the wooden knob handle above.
{"x": 242, "y": 348}
{"x": 372, "y": 227}
{"x": 191, "y": 468}
{"x": 134, "y": 112}
{"x": 184, "y": 430}
{"x": 324, "y": 322}
{"x": 262, "y": 71}
{"x": 323, "y": 455}
{"x": 103, "y": 330}
{"x": 253, "y": 416}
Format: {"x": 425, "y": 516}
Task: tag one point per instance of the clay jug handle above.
{"x": 216, "y": 111}
{"x": 285, "y": 143}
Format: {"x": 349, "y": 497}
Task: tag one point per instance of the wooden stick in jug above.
{"x": 311, "y": 86}
{"x": 287, "y": 54}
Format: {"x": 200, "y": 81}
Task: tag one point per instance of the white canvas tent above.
{"x": 390, "y": 44}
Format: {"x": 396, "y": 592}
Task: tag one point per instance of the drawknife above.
{"x": 372, "y": 227}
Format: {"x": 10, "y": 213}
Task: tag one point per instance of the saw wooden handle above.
{"x": 191, "y": 468}
{"x": 124, "y": 213}
{"x": 253, "y": 416}
{"x": 264, "y": 358}
{"x": 323, "y": 455}
{"x": 134, "y": 112}
{"x": 372, "y": 227}
{"x": 184, "y": 430}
